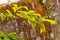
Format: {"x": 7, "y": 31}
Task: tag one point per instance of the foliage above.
{"x": 8, "y": 14}
{"x": 33, "y": 18}
{"x": 10, "y": 36}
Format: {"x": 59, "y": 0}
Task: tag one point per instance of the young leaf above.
{"x": 9, "y": 14}
{"x": 49, "y": 20}
{"x": 42, "y": 27}
{"x": 25, "y": 7}
{"x": 15, "y": 7}
{"x": 2, "y": 16}
{"x": 33, "y": 23}
{"x": 23, "y": 15}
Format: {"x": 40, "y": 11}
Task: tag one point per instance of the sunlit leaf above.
{"x": 25, "y": 7}
{"x": 2, "y": 16}
{"x": 23, "y": 16}
{"x": 9, "y": 14}
{"x": 42, "y": 27}
{"x": 50, "y": 21}
{"x": 15, "y": 7}
{"x": 33, "y": 23}
{"x": 32, "y": 17}
{"x": 31, "y": 11}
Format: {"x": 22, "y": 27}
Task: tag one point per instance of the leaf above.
{"x": 31, "y": 12}
{"x": 1, "y": 34}
{"x": 15, "y": 7}
{"x": 49, "y": 20}
{"x": 6, "y": 38}
{"x": 9, "y": 14}
{"x": 42, "y": 27}
{"x": 33, "y": 23}
{"x": 25, "y": 7}
{"x": 23, "y": 15}
{"x": 0, "y": 38}
{"x": 20, "y": 38}
{"x": 2, "y": 16}
{"x": 22, "y": 12}
{"x": 13, "y": 36}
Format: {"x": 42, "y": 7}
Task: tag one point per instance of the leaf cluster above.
{"x": 10, "y": 36}
{"x": 33, "y": 18}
